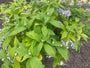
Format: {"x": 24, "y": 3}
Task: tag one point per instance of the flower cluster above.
{"x": 67, "y": 44}
{"x": 67, "y": 13}
{"x": 1, "y": 42}
{"x": 79, "y": 3}
{"x": 88, "y": 9}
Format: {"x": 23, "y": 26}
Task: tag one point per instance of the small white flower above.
{"x": 8, "y": 58}
{"x": 67, "y": 47}
{"x": 61, "y": 45}
{"x": 53, "y": 42}
{"x": 7, "y": 20}
{"x": 15, "y": 18}
{"x": 61, "y": 63}
{"x": 8, "y": 54}
{"x": 47, "y": 13}
{"x": 15, "y": 54}
{"x": 49, "y": 56}
{"x": 22, "y": 33}
{"x": 19, "y": 47}
{"x": 42, "y": 40}
{"x": 3, "y": 59}
{"x": 4, "y": 37}
{"x": 43, "y": 66}
{"x": 13, "y": 60}
{"x": 25, "y": 24}
{"x": 29, "y": 53}
{"x": 27, "y": 11}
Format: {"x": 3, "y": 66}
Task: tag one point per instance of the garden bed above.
{"x": 76, "y": 59}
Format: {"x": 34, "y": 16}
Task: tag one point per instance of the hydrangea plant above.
{"x": 31, "y": 30}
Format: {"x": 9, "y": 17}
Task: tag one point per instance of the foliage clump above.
{"x": 34, "y": 29}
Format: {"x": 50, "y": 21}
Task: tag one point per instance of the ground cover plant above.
{"x": 32, "y": 30}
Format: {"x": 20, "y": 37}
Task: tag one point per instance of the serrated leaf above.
{"x": 84, "y": 36}
{"x": 44, "y": 31}
{"x": 18, "y": 58}
{"x": 50, "y": 50}
{"x": 64, "y": 52}
{"x": 2, "y": 54}
{"x": 57, "y": 44}
{"x": 56, "y": 23}
{"x": 30, "y": 23}
{"x": 12, "y": 52}
{"x": 76, "y": 45}
{"x": 22, "y": 50}
{"x": 16, "y": 64}
{"x": 57, "y": 60}
{"x": 33, "y": 35}
{"x": 6, "y": 42}
{"x": 5, "y": 65}
{"x": 37, "y": 29}
{"x": 37, "y": 49}
{"x": 50, "y": 11}
{"x": 34, "y": 62}
{"x": 17, "y": 30}
{"x": 25, "y": 57}
{"x": 16, "y": 42}
{"x": 73, "y": 37}
{"x": 50, "y": 32}
{"x": 64, "y": 34}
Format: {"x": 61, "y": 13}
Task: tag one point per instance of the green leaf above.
{"x": 37, "y": 49}
{"x": 22, "y": 50}
{"x": 57, "y": 44}
{"x": 16, "y": 64}
{"x": 84, "y": 36}
{"x": 2, "y": 54}
{"x": 30, "y": 23}
{"x": 50, "y": 32}
{"x": 12, "y": 52}
{"x": 6, "y": 42}
{"x": 76, "y": 45}
{"x": 50, "y": 50}
{"x": 56, "y": 23}
{"x": 64, "y": 52}
{"x": 25, "y": 57}
{"x": 73, "y": 37}
{"x": 34, "y": 62}
{"x": 50, "y": 11}
{"x": 46, "y": 19}
{"x": 5, "y": 65}
{"x": 44, "y": 31}
{"x": 17, "y": 30}
{"x": 57, "y": 60}
{"x": 64, "y": 34}
{"x": 37, "y": 29}
{"x": 16, "y": 42}
{"x": 34, "y": 35}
